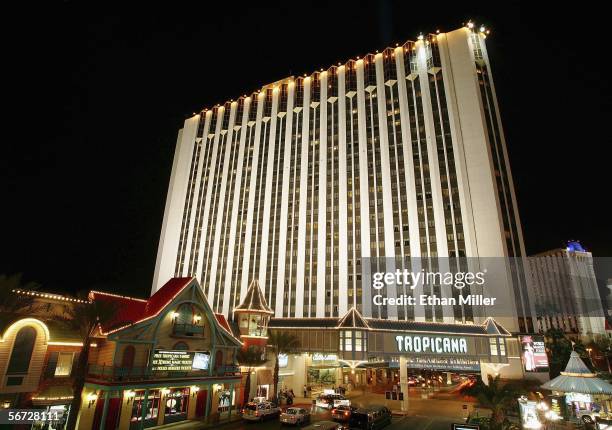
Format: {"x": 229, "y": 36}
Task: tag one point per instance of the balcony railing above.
{"x": 138, "y": 373}
{"x": 188, "y": 330}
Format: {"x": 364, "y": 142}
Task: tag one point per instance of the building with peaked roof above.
{"x": 38, "y": 355}
{"x": 375, "y": 354}
{"x": 165, "y": 359}
{"x": 357, "y": 351}
{"x": 581, "y": 388}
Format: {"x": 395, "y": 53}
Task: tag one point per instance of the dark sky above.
{"x": 97, "y": 95}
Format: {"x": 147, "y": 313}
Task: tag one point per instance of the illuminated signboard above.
{"x": 444, "y": 363}
{"x": 324, "y": 357}
{"x": 179, "y": 361}
{"x": 534, "y": 353}
{"x": 283, "y": 360}
{"x": 432, "y": 344}
{"x": 201, "y": 360}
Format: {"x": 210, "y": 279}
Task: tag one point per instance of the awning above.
{"x": 53, "y": 395}
{"x": 577, "y": 378}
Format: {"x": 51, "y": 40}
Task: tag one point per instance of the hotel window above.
{"x": 353, "y": 341}
{"x": 151, "y": 409}
{"x": 348, "y": 340}
{"x": 502, "y": 346}
{"x": 21, "y": 355}
{"x": 493, "y": 345}
{"x": 64, "y": 364}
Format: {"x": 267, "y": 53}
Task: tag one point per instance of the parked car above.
{"x": 342, "y": 412}
{"x": 587, "y": 417}
{"x": 260, "y": 411}
{"x": 330, "y": 401}
{"x": 373, "y": 417}
{"x": 324, "y": 425}
{"x": 297, "y": 416}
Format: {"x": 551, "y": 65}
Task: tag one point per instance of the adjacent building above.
{"x": 565, "y": 291}
{"x": 393, "y": 160}
{"x": 38, "y": 356}
{"x": 161, "y": 360}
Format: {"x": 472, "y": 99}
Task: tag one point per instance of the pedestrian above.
{"x": 305, "y": 391}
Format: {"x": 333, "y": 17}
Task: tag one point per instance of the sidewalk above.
{"x": 197, "y": 424}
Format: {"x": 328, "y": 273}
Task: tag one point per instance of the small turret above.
{"x": 253, "y": 316}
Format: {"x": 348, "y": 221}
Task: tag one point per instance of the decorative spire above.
{"x": 353, "y": 319}
{"x": 576, "y": 367}
{"x": 254, "y": 300}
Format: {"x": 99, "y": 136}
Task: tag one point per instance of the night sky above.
{"x": 98, "y": 95}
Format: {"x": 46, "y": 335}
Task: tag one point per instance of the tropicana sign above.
{"x": 436, "y": 345}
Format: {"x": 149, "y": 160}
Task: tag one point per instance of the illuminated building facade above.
{"x": 566, "y": 294}
{"x": 38, "y": 356}
{"x": 395, "y": 160}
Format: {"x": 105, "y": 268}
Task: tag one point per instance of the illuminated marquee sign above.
{"x": 179, "y": 361}
{"x": 430, "y": 344}
{"x": 444, "y": 363}
{"x": 324, "y": 357}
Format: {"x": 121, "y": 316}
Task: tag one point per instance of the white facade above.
{"x": 565, "y": 292}
{"x": 399, "y": 154}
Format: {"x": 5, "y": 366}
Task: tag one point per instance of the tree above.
{"x": 604, "y": 345}
{"x": 250, "y": 357}
{"x": 281, "y": 342}
{"x": 85, "y": 318}
{"x": 559, "y": 348}
{"x": 13, "y": 304}
{"x": 498, "y": 397}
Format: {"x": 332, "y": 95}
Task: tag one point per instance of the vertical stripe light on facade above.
{"x": 234, "y": 239}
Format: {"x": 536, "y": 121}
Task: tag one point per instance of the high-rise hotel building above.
{"x": 392, "y": 160}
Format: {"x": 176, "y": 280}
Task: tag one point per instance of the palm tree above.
{"x": 13, "y": 304}
{"x": 282, "y": 343}
{"x": 497, "y": 397}
{"x": 85, "y": 318}
{"x": 250, "y": 357}
{"x": 559, "y": 348}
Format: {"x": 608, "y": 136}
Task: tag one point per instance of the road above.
{"x": 423, "y": 414}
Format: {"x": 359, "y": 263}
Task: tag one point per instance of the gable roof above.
{"x": 165, "y": 295}
{"x": 128, "y": 309}
{"x": 353, "y": 319}
{"x": 223, "y": 322}
{"x": 254, "y": 300}
{"x": 493, "y": 327}
{"x": 132, "y": 310}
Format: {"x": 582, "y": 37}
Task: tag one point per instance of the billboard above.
{"x": 533, "y": 353}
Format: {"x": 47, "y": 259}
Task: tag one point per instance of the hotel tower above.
{"x": 393, "y": 160}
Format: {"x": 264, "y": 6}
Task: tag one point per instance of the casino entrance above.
{"x": 392, "y": 355}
